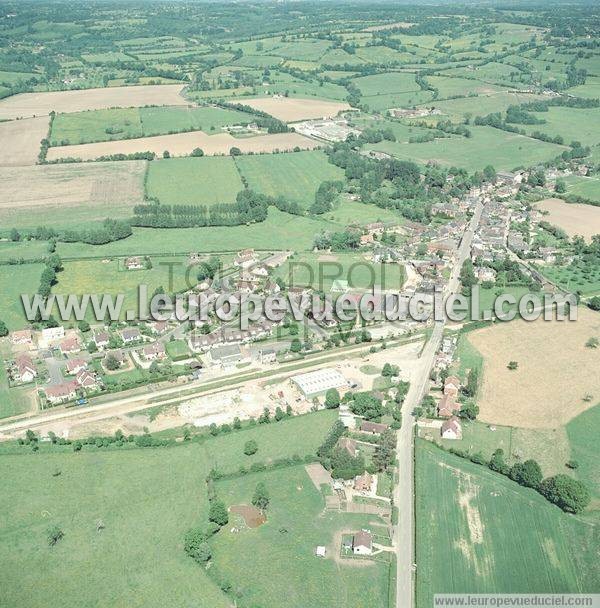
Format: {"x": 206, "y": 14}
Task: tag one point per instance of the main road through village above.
{"x": 404, "y": 498}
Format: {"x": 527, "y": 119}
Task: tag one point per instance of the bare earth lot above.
{"x": 574, "y": 219}
{"x": 291, "y": 109}
{"x": 20, "y": 141}
{"x": 50, "y": 188}
{"x": 556, "y": 370}
{"x": 37, "y": 104}
{"x": 181, "y": 144}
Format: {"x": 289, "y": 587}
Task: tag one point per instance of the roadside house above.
{"x": 362, "y": 543}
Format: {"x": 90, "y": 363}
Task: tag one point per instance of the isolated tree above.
{"x": 469, "y": 410}
{"x": 594, "y": 303}
{"x": 296, "y": 345}
{"x": 54, "y": 535}
{"x": 3, "y": 329}
{"x": 197, "y": 152}
{"x": 195, "y": 545}
{"x": 235, "y": 151}
{"x": 250, "y": 447}
{"x": 512, "y": 365}
{"x": 497, "y": 462}
{"x": 166, "y": 154}
{"x": 332, "y": 399}
{"x": 527, "y": 474}
{"x": 569, "y": 494}
{"x": 261, "y": 497}
{"x": 217, "y": 512}
{"x": 560, "y": 187}
{"x": 83, "y": 326}
{"x": 593, "y": 342}
{"x": 111, "y": 362}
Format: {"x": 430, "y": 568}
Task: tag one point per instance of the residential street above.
{"x": 404, "y": 490}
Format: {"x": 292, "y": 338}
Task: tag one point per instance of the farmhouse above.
{"x": 447, "y": 406}
{"x": 134, "y": 263}
{"x": 131, "y": 334}
{"x": 156, "y": 350}
{"x": 348, "y": 444}
{"x": 26, "y": 368}
{"x": 362, "y": 543}
{"x": 363, "y": 483}
{"x": 245, "y": 258}
{"x": 23, "y": 336}
{"x": 451, "y": 429}
{"x": 59, "y": 393}
{"x": 375, "y": 428}
{"x": 74, "y": 366}
{"x": 451, "y": 386}
{"x": 317, "y": 383}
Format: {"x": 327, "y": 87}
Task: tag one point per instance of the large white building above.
{"x": 314, "y": 384}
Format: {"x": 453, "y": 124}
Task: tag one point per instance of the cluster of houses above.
{"x": 489, "y": 240}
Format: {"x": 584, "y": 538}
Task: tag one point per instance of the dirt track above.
{"x": 21, "y": 141}
{"x": 41, "y": 104}
{"x": 182, "y": 144}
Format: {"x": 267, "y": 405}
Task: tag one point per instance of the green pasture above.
{"x": 323, "y": 271}
{"x": 498, "y": 536}
{"x": 296, "y": 175}
{"x": 257, "y": 560}
{"x": 487, "y": 146}
{"x": 17, "y": 280}
{"x": 206, "y": 180}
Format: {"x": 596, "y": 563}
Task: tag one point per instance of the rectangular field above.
{"x": 17, "y": 280}
{"x": 574, "y": 219}
{"x": 497, "y": 536}
{"x": 125, "y": 123}
{"x": 37, "y": 104}
{"x": 487, "y": 146}
{"x": 21, "y": 141}
{"x": 69, "y": 195}
{"x": 291, "y": 109}
{"x": 182, "y": 144}
{"x": 555, "y": 370}
{"x": 194, "y": 180}
{"x": 295, "y": 176}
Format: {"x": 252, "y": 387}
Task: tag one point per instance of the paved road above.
{"x": 404, "y": 491}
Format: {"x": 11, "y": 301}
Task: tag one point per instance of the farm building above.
{"x": 375, "y": 428}
{"x": 317, "y": 383}
{"x": 447, "y": 406}
{"x": 451, "y": 429}
{"x": 362, "y": 543}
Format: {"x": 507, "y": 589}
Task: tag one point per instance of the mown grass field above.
{"x": 487, "y": 146}
{"x": 17, "y": 280}
{"x": 282, "y": 549}
{"x": 588, "y": 187}
{"x": 582, "y": 433}
{"x": 186, "y": 181}
{"x": 322, "y": 271}
{"x": 124, "y": 123}
{"x": 13, "y": 401}
{"x": 100, "y": 277}
{"x": 497, "y": 536}
{"x": 279, "y": 231}
{"x": 296, "y": 176}
{"x": 138, "y": 559}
